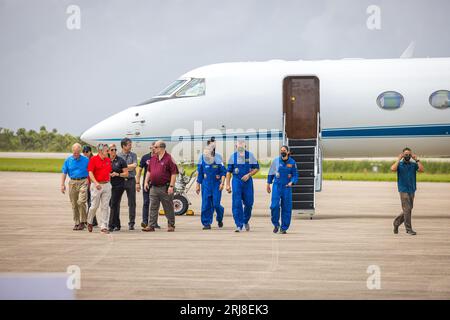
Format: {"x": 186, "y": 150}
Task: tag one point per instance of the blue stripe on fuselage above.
{"x": 440, "y": 130}
{"x": 405, "y": 131}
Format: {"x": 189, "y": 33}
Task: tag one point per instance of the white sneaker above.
{"x": 238, "y": 230}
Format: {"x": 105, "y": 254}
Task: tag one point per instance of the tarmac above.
{"x": 347, "y": 251}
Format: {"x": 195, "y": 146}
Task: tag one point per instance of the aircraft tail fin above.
{"x": 409, "y": 52}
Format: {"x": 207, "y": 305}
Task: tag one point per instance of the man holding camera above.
{"x": 406, "y": 180}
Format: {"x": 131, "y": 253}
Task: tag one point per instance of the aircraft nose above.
{"x": 88, "y": 136}
{"x": 109, "y": 130}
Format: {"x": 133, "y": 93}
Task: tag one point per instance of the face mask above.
{"x": 407, "y": 157}
{"x": 207, "y": 155}
{"x": 283, "y": 154}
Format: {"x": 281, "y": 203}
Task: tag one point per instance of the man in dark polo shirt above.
{"x": 143, "y": 165}
{"x": 87, "y": 152}
{"x": 118, "y": 174}
{"x": 406, "y": 182}
{"x": 130, "y": 182}
{"x": 162, "y": 172}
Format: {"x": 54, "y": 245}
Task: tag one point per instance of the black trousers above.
{"x": 116, "y": 197}
{"x": 130, "y": 188}
{"x": 146, "y": 205}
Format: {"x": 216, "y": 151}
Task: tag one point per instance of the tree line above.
{"x": 37, "y": 141}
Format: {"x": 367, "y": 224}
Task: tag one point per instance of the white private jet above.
{"x": 334, "y": 108}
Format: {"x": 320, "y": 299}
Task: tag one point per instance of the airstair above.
{"x": 307, "y": 153}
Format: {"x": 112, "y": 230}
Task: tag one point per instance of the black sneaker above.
{"x": 283, "y": 231}
{"x": 247, "y": 227}
{"x": 157, "y": 226}
{"x": 411, "y": 232}
{"x": 117, "y": 229}
{"x": 206, "y": 227}
{"x": 275, "y": 230}
{"x": 131, "y": 227}
{"x": 110, "y": 229}
{"x": 220, "y": 224}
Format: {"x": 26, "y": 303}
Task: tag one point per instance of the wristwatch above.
{"x": 171, "y": 186}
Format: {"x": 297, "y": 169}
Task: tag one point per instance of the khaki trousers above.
{"x": 407, "y": 200}
{"x": 100, "y": 199}
{"x": 78, "y": 197}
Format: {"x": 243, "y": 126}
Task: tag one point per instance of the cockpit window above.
{"x": 174, "y": 86}
{"x": 195, "y": 87}
{"x": 180, "y": 88}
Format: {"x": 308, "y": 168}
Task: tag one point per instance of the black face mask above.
{"x": 407, "y": 158}
{"x": 283, "y": 154}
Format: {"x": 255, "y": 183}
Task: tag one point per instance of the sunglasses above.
{"x": 112, "y": 149}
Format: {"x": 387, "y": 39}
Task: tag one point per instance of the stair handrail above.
{"x": 318, "y": 154}
{"x": 316, "y": 149}
{"x": 284, "y": 129}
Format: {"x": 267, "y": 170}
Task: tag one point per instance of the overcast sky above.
{"x": 127, "y": 51}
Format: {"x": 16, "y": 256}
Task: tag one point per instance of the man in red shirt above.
{"x": 162, "y": 172}
{"x": 99, "y": 169}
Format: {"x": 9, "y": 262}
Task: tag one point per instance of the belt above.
{"x": 103, "y": 182}
{"x": 78, "y": 178}
{"x": 160, "y": 185}
{"x": 126, "y": 179}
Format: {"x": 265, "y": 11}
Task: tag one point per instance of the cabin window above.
{"x": 440, "y": 99}
{"x": 390, "y": 100}
{"x": 195, "y": 87}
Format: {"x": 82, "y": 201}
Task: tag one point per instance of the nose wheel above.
{"x": 180, "y": 204}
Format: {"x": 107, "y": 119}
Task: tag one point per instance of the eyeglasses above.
{"x": 112, "y": 149}
{"x": 156, "y": 147}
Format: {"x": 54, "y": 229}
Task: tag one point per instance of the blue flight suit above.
{"x": 210, "y": 176}
{"x": 281, "y": 173}
{"x": 239, "y": 166}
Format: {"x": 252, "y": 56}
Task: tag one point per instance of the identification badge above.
{"x": 204, "y": 176}
{"x": 215, "y": 166}
{"x": 236, "y": 171}
{"x": 277, "y": 175}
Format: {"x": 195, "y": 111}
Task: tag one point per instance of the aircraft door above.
{"x": 301, "y": 102}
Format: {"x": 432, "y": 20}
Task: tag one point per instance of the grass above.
{"x": 31, "y": 165}
{"x": 333, "y": 170}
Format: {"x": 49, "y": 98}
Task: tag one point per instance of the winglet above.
{"x": 408, "y": 53}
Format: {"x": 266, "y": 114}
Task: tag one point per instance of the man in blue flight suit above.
{"x": 211, "y": 177}
{"x": 283, "y": 173}
{"x": 243, "y": 165}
